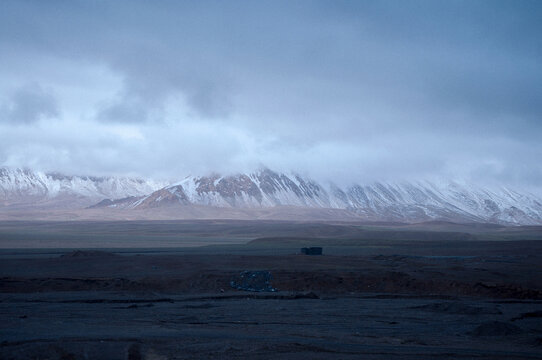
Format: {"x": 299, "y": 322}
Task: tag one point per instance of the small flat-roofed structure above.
{"x": 315, "y": 250}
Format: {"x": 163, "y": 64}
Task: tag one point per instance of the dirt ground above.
{"x": 87, "y": 305}
{"x": 376, "y": 299}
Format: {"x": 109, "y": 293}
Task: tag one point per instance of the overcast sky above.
{"x": 350, "y": 90}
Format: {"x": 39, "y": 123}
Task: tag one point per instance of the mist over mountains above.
{"x": 263, "y": 193}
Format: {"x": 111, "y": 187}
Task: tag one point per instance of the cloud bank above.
{"x": 356, "y": 91}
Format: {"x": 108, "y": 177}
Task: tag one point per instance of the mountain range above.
{"x": 260, "y": 194}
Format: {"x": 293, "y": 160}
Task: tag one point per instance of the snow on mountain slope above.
{"x": 401, "y": 201}
{"x": 445, "y": 200}
{"x": 24, "y": 186}
{"x": 260, "y": 189}
{"x": 406, "y": 201}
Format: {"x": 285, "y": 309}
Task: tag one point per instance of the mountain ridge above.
{"x": 26, "y": 187}
{"x": 410, "y": 202}
{"x": 406, "y": 201}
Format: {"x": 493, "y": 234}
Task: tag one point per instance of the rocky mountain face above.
{"x": 20, "y": 187}
{"x": 404, "y": 201}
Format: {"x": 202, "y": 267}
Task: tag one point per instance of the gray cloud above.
{"x": 28, "y": 104}
{"x": 125, "y": 110}
{"x": 374, "y": 89}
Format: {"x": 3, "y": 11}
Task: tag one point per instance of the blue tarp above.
{"x": 252, "y": 281}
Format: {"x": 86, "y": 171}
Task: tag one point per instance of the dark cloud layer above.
{"x": 356, "y": 89}
{"x": 28, "y": 104}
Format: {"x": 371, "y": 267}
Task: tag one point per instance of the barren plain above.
{"x": 162, "y": 290}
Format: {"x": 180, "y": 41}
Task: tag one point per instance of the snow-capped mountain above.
{"x": 265, "y": 189}
{"x": 405, "y": 201}
{"x": 18, "y": 186}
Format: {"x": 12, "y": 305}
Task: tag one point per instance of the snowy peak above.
{"x": 26, "y": 186}
{"x": 406, "y": 201}
{"x": 259, "y": 189}
{"x": 379, "y": 201}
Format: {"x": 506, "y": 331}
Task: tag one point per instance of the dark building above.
{"x": 311, "y": 251}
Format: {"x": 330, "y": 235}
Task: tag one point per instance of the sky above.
{"x": 350, "y": 91}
